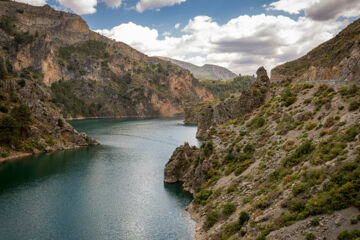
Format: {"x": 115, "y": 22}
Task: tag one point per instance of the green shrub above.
{"x": 288, "y": 97}
{"x": 310, "y": 236}
{"x": 243, "y": 218}
{"x": 300, "y": 153}
{"x": 354, "y": 221}
{"x": 211, "y": 218}
{"x": 202, "y": 196}
{"x": 249, "y": 148}
{"x": 208, "y": 148}
{"x": 311, "y": 126}
{"x": 230, "y": 230}
{"x": 4, "y": 109}
{"x": 60, "y": 123}
{"x": 354, "y": 105}
{"x": 345, "y": 235}
{"x": 258, "y": 121}
{"x": 229, "y": 208}
{"x": 315, "y": 222}
{"x": 9, "y": 130}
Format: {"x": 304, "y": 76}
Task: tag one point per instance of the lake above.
{"x": 112, "y": 191}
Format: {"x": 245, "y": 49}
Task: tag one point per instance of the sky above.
{"x": 237, "y": 34}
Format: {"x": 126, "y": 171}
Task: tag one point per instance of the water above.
{"x": 114, "y": 191}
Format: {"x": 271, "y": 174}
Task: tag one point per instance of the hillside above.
{"x": 280, "y": 161}
{"x": 208, "y": 71}
{"x": 336, "y": 59}
{"x": 283, "y": 168}
{"x": 53, "y": 67}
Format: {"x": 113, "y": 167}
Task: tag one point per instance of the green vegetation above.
{"x": 208, "y": 148}
{"x": 299, "y": 155}
{"x": 258, "y": 121}
{"x": 60, "y": 123}
{"x": 244, "y": 217}
{"x": 310, "y": 126}
{"x": 288, "y": 97}
{"x": 202, "y": 197}
{"x": 91, "y": 48}
{"x": 310, "y": 236}
{"x": 229, "y": 208}
{"x": 225, "y": 88}
{"x": 345, "y": 235}
{"x": 315, "y": 222}
{"x": 71, "y": 104}
{"x": 211, "y": 218}
{"x": 15, "y": 126}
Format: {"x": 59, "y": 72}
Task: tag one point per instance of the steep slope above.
{"x": 208, "y": 71}
{"x": 288, "y": 169}
{"x": 52, "y": 66}
{"x": 90, "y": 75}
{"x": 336, "y": 59}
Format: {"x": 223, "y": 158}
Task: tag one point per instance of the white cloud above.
{"x": 166, "y": 34}
{"x": 292, "y": 6}
{"x": 332, "y": 9}
{"x": 144, "y": 5}
{"x": 113, "y": 3}
{"x": 33, "y": 2}
{"x": 177, "y": 26}
{"x": 78, "y": 6}
{"x": 242, "y": 44}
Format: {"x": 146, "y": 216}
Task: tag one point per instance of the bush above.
{"x": 211, "y": 218}
{"x": 202, "y": 196}
{"x": 354, "y": 221}
{"x": 8, "y": 130}
{"x": 345, "y": 235}
{"x": 311, "y": 126}
{"x": 22, "y": 115}
{"x": 243, "y": 218}
{"x": 249, "y": 148}
{"x": 310, "y": 236}
{"x": 288, "y": 97}
{"x": 258, "y": 121}
{"x": 315, "y": 222}
{"x": 229, "y": 208}
{"x": 60, "y": 123}
{"x": 298, "y": 156}
{"x": 354, "y": 105}
{"x": 208, "y": 148}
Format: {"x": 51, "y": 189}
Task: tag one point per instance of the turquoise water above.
{"x": 114, "y": 191}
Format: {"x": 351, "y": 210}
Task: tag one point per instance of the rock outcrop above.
{"x": 207, "y": 115}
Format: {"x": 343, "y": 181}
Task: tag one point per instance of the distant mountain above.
{"x": 210, "y": 72}
{"x": 336, "y": 59}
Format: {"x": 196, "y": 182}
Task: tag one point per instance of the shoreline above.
{"x": 21, "y": 155}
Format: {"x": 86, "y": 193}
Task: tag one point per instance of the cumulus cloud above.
{"x": 33, "y": 2}
{"x": 177, "y": 26}
{"x": 78, "y": 6}
{"x": 332, "y": 9}
{"x": 113, "y": 3}
{"x": 242, "y": 44}
{"x": 291, "y": 6}
{"x": 144, "y": 5}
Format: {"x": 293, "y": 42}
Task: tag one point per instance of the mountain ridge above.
{"x": 207, "y": 71}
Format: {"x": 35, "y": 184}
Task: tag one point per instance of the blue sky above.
{"x": 238, "y": 34}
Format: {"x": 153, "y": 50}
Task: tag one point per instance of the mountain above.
{"x": 336, "y": 59}
{"x": 209, "y": 72}
{"x": 281, "y": 161}
{"x": 52, "y": 66}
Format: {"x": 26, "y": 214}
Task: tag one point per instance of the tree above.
{"x": 8, "y": 129}
{"x": 22, "y": 115}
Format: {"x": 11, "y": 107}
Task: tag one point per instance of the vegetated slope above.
{"x": 336, "y": 59}
{"x": 208, "y": 71}
{"x": 52, "y": 65}
{"x": 91, "y": 75}
{"x": 226, "y": 88}
{"x": 287, "y": 169}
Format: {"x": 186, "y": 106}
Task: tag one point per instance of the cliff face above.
{"x": 91, "y": 73}
{"x": 336, "y": 59}
{"x": 216, "y": 113}
{"x": 288, "y": 169}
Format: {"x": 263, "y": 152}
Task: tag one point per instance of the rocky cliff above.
{"x": 282, "y": 162}
{"x": 208, "y": 71}
{"x": 52, "y": 66}
{"x": 287, "y": 170}
{"x": 90, "y": 75}
{"x": 336, "y": 59}
{"x": 209, "y": 114}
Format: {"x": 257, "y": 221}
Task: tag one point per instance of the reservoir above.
{"x": 112, "y": 191}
